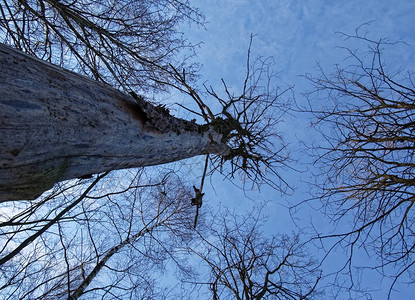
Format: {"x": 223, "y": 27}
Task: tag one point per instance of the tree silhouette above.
{"x": 245, "y": 264}
{"x": 367, "y": 159}
{"x": 123, "y": 43}
{"x": 111, "y": 244}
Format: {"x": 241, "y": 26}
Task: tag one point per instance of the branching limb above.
{"x": 368, "y": 156}
{"x": 248, "y": 123}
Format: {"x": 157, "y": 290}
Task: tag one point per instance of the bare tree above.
{"x": 59, "y": 125}
{"x": 245, "y": 264}
{"x": 124, "y": 43}
{"x": 127, "y": 44}
{"x": 130, "y": 45}
{"x": 225, "y": 130}
{"x": 111, "y": 244}
{"x": 368, "y": 162}
{"x": 70, "y": 127}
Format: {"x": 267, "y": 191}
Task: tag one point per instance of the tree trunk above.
{"x": 57, "y": 125}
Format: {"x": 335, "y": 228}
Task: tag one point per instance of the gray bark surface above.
{"x": 57, "y": 125}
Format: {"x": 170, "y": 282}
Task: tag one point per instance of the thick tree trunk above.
{"x": 56, "y": 125}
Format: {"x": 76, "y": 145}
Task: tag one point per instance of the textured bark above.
{"x": 57, "y": 125}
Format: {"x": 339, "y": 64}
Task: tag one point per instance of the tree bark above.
{"x": 57, "y": 125}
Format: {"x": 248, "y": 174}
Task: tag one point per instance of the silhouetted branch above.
{"x": 124, "y": 43}
{"x": 248, "y": 122}
{"x": 244, "y": 264}
{"x": 368, "y": 126}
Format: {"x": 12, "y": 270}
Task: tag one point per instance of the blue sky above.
{"x": 295, "y": 33}
{"x": 298, "y": 34}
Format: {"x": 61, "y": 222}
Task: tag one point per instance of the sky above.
{"x": 298, "y": 35}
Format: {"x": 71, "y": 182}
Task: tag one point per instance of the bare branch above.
{"x": 368, "y": 157}
{"x": 246, "y": 265}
